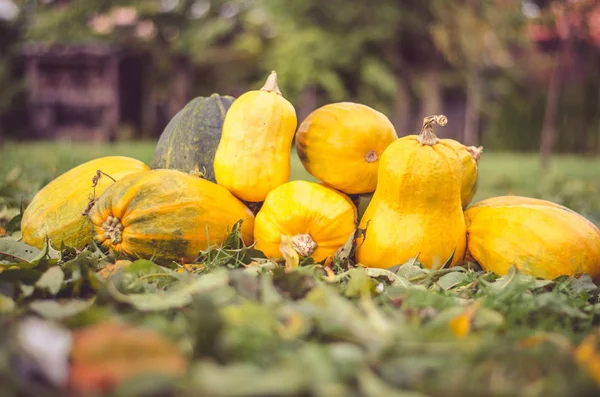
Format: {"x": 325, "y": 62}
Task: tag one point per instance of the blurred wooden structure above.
{"x": 81, "y": 91}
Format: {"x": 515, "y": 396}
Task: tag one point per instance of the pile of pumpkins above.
{"x": 220, "y": 161}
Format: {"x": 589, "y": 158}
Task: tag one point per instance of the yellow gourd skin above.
{"x": 341, "y": 144}
{"x": 540, "y": 238}
{"x": 469, "y": 157}
{"x": 416, "y": 208}
{"x": 56, "y": 210}
{"x": 253, "y": 156}
{"x": 499, "y": 201}
{"x": 167, "y": 215}
{"x": 301, "y": 208}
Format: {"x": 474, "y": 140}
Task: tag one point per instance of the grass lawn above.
{"x": 571, "y": 180}
{"x": 232, "y": 324}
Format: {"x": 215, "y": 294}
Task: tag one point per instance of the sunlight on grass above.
{"x": 571, "y": 180}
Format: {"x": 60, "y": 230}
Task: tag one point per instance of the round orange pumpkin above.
{"x": 341, "y": 144}
{"x": 317, "y": 218}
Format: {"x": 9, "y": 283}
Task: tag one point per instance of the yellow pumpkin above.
{"x": 318, "y": 219}
{"x": 167, "y": 215}
{"x": 56, "y": 210}
{"x": 514, "y": 200}
{"x": 341, "y": 144}
{"x": 416, "y": 208}
{"x": 253, "y": 155}
{"x": 469, "y": 156}
{"x": 539, "y": 237}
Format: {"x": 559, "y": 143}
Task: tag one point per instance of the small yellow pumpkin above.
{"x": 341, "y": 144}
{"x": 253, "y": 155}
{"x": 416, "y": 209}
{"x": 167, "y": 215}
{"x": 539, "y": 237}
{"x": 317, "y": 218}
{"x": 469, "y": 156}
{"x": 56, "y": 210}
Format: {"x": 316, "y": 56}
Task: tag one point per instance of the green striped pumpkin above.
{"x": 190, "y": 140}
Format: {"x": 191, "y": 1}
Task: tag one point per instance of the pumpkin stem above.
{"x": 427, "y": 135}
{"x": 271, "y": 84}
{"x": 304, "y": 244}
{"x": 197, "y": 172}
{"x": 475, "y": 152}
{"x": 113, "y": 229}
{"x": 371, "y": 156}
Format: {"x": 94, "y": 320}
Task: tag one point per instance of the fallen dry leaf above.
{"x": 289, "y": 253}
{"x": 461, "y": 324}
{"x": 190, "y": 267}
{"x": 588, "y": 357}
{"x": 540, "y": 338}
{"x": 293, "y": 327}
{"x": 106, "y": 354}
{"x": 330, "y": 274}
{"x": 108, "y": 270}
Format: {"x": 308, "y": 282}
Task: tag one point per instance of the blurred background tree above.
{"x": 504, "y": 71}
{"x": 11, "y": 85}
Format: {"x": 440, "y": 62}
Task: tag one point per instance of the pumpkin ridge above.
{"x": 128, "y": 234}
{"x": 131, "y": 195}
{"x": 139, "y": 215}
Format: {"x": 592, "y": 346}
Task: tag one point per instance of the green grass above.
{"x": 571, "y": 180}
{"x": 267, "y": 330}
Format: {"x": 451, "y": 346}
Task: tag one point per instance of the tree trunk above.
{"x": 598, "y": 142}
{"x": 473, "y": 106}
{"x": 401, "y": 116}
{"x": 181, "y": 86}
{"x": 431, "y": 96}
{"x": 548, "y": 136}
{"x": 308, "y": 102}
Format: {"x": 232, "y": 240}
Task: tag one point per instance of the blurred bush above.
{"x": 488, "y": 65}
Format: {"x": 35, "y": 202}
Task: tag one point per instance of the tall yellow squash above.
{"x": 253, "y": 156}
{"x": 539, "y": 237}
{"x": 416, "y": 208}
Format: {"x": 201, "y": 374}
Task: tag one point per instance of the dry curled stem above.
{"x": 475, "y": 152}
{"x": 93, "y": 198}
{"x": 427, "y": 135}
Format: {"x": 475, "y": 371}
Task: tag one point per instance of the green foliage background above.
{"x": 327, "y": 51}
